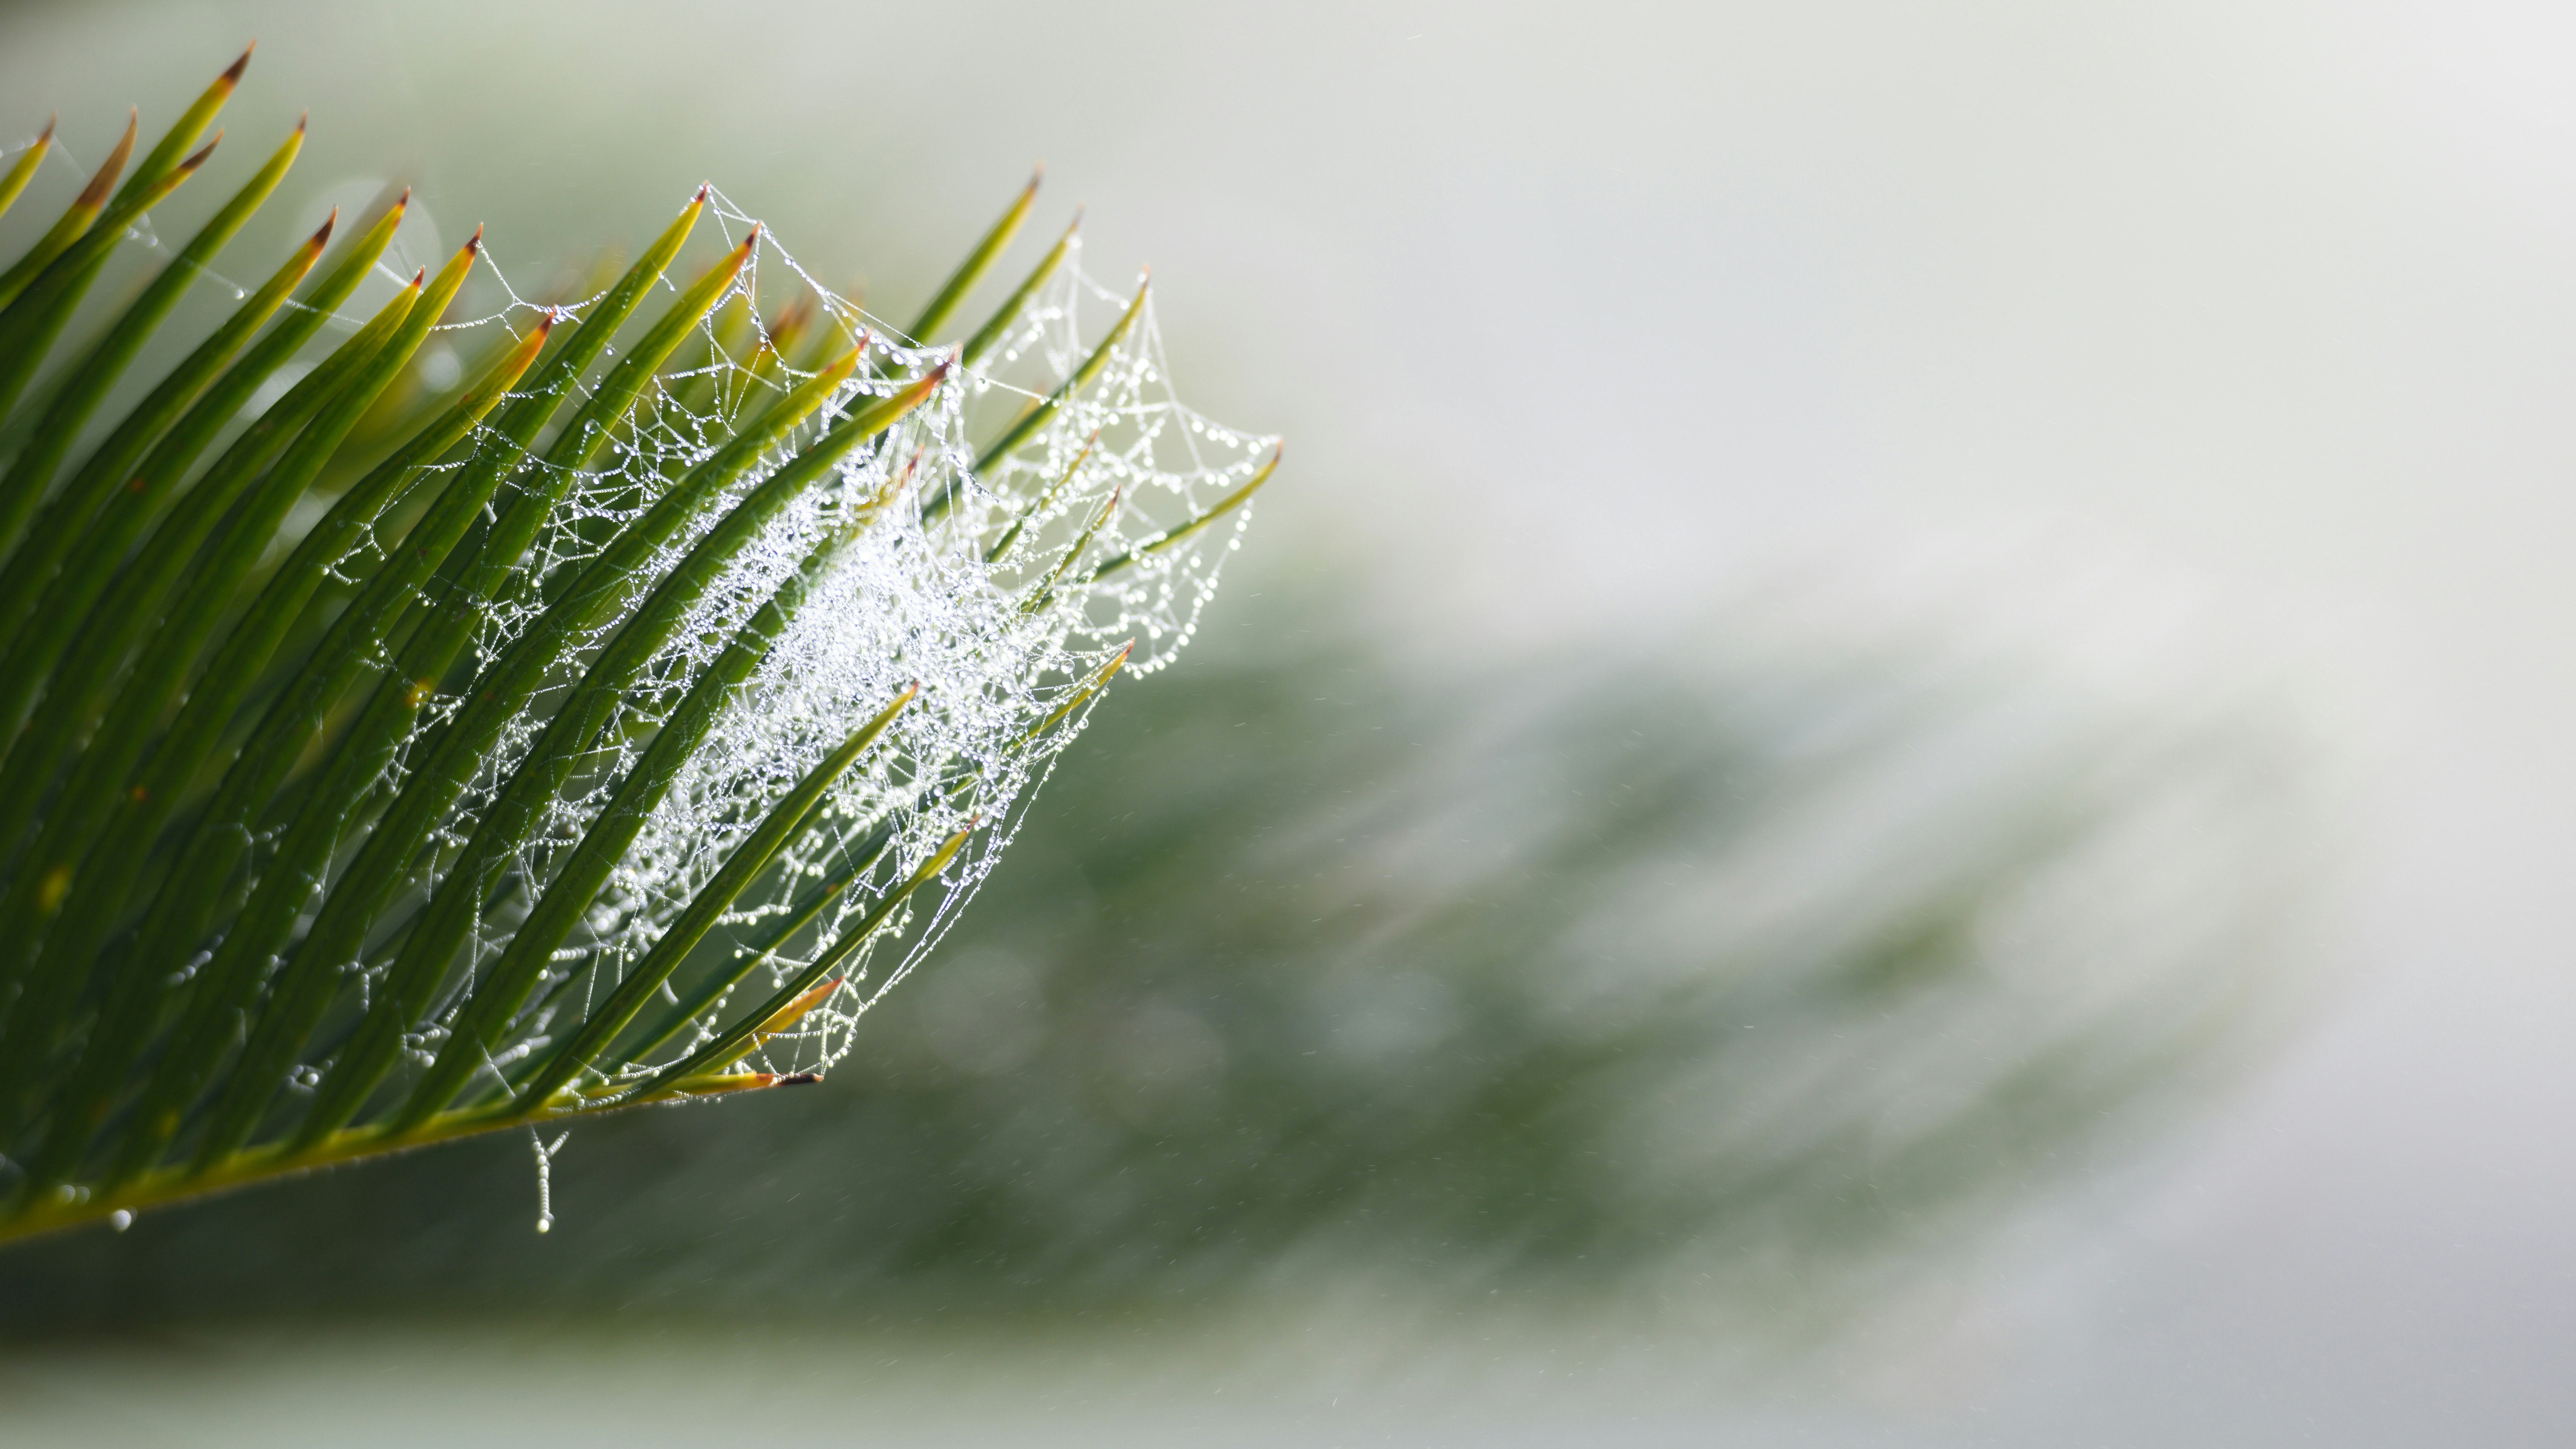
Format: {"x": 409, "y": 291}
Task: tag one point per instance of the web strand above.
{"x": 908, "y": 596}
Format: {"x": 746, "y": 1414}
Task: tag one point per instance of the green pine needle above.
{"x": 376, "y": 750}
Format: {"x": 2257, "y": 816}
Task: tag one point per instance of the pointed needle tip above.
{"x": 300, "y": 122}
{"x": 102, "y": 180}
{"x": 322, "y": 233}
{"x": 199, "y": 159}
{"x": 235, "y": 72}
{"x": 420, "y": 276}
{"x": 50, "y": 122}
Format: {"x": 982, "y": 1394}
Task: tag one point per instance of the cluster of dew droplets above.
{"x": 909, "y": 597}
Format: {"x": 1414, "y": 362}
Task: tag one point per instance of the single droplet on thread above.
{"x": 544, "y": 1224}
{"x": 120, "y": 1220}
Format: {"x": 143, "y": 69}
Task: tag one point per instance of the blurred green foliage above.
{"x": 1729, "y": 974}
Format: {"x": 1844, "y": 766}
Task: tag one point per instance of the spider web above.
{"x": 974, "y": 586}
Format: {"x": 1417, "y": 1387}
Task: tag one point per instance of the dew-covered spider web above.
{"x": 1003, "y": 594}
